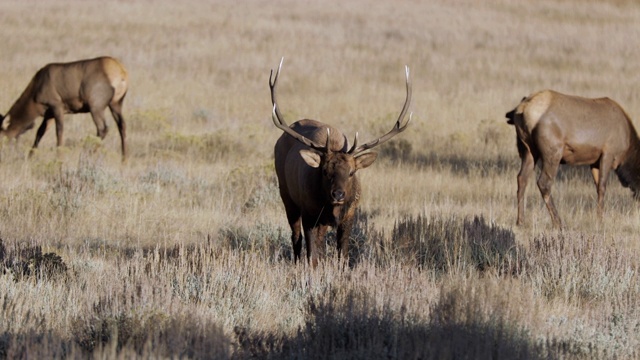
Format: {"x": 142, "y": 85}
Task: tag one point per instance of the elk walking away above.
{"x": 555, "y": 128}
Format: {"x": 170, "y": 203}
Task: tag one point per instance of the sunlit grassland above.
{"x": 184, "y": 250}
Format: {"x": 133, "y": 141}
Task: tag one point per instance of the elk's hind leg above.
{"x": 600, "y": 174}
{"x": 545, "y": 182}
{"x": 116, "y": 112}
{"x": 526, "y": 168}
{"x": 99, "y": 95}
{"x": 101, "y": 125}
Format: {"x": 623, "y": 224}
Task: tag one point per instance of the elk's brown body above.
{"x": 556, "y": 129}
{"x": 317, "y": 178}
{"x": 76, "y": 87}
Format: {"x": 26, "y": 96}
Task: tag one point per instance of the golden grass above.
{"x": 184, "y": 250}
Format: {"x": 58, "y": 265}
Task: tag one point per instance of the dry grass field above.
{"x": 184, "y": 250}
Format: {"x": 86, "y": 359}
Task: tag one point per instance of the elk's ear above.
{"x": 365, "y": 159}
{"x": 311, "y": 157}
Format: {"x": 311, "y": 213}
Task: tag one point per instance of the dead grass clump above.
{"x": 452, "y": 244}
{"x": 363, "y": 239}
{"x": 582, "y": 269}
{"x": 263, "y": 194}
{"x": 25, "y": 261}
{"x": 353, "y": 326}
{"x": 150, "y": 335}
{"x": 207, "y": 147}
{"x": 11, "y": 151}
{"x": 346, "y": 326}
{"x": 259, "y": 345}
{"x": 194, "y": 258}
{"x": 72, "y": 187}
{"x": 397, "y": 150}
{"x": 34, "y": 345}
{"x": 149, "y": 121}
{"x": 465, "y": 165}
{"x": 88, "y": 177}
{"x": 462, "y": 328}
{"x": 486, "y": 320}
{"x": 263, "y": 238}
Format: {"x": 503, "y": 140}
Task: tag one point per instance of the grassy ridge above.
{"x": 184, "y": 250}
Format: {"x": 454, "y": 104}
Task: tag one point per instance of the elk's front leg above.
{"x": 48, "y": 115}
{"x": 343, "y": 235}
{"x": 315, "y": 243}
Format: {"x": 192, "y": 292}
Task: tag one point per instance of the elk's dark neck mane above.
{"x": 629, "y": 171}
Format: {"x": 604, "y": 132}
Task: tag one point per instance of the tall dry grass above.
{"x": 184, "y": 250}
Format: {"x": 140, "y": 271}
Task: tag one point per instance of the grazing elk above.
{"x": 76, "y": 87}
{"x": 316, "y": 173}
{"x": 563, "y": 129}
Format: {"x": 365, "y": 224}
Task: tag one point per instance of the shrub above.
{"x": 397, "y": 150}
{"x": 582, "y": 269}
{"x": 352, "y": 326}
{"x": 154, "y": 334}
{"x": 263, "y": 238}
{"x": 276, "y": 241}
{"x": 447, "y": 244}
{"x": 29, "y": 261}
{"x": 207, "y": 147}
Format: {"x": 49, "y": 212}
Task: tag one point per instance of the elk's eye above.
{"x": 352, "y": 172}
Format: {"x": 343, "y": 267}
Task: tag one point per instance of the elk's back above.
{"x": 584, "y": 127}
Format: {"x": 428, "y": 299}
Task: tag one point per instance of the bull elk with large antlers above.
{"x": 316, "y": 172}
{"x": 561, "y": 129}
{"x": 76, "y": 87}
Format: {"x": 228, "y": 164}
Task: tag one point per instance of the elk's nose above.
{"x": 338, "y": 195}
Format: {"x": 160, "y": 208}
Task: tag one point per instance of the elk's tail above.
{"x": 510, "y": 116}
{"x": 629, "y": 171}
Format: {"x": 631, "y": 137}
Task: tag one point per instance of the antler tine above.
{"x": 272, "y": 86}
{"x": 327, "y": 147}
{"x": 355, "y": 144}
{"x": 279, "y": 121}
{"x": 397, "y": 127}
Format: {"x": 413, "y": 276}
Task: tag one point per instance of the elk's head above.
{"x": 338, "y": 167}
{"x": 4, "y": 123}
{"x": 13, "y": 129}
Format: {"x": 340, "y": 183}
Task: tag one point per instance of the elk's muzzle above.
{"x": 337, "y": 196}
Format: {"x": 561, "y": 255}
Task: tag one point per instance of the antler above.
{"x": 397, "y": 128}
{"x": 281, "y": 124}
